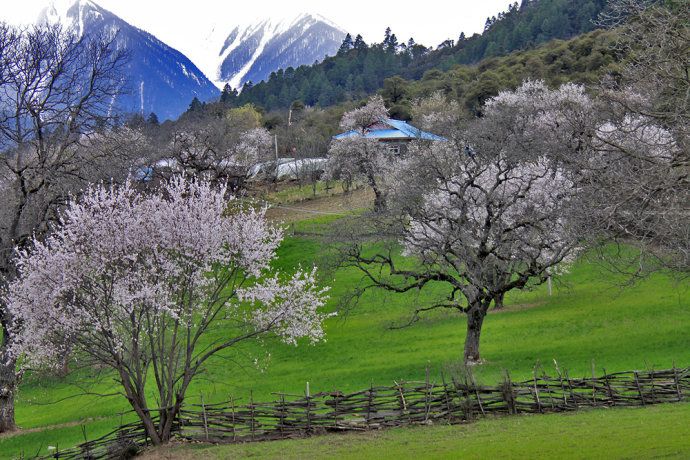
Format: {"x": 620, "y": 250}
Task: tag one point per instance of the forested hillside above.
{"x": 360, "y": 68}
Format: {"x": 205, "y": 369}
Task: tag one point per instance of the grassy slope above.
{"x": 588, "y": 318}
{"x": 617, "y": 433}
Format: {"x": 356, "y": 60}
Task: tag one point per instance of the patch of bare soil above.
{"x": 328, "y": 205}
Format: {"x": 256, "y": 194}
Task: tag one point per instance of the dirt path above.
{"x": 328, "y": 205}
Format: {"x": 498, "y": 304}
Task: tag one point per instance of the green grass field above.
{"x": 589, "y": 319}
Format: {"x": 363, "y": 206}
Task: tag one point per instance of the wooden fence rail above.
{"x": 405, "y": 403}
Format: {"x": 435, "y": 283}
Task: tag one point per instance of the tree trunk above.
{"x": 379, "y": 200}
{"x": 475, "y": 318}
{"x": 8, "y": 382}
{"x": 498, "y": 301}
{"x": 147, "y": 420}
{"x": 168, "y": 420}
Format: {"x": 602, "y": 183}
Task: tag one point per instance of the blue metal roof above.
{"x": 398, "y": 130}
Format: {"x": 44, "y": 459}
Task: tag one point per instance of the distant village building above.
{"x": 395, "y": 133}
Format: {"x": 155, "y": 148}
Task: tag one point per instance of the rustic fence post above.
{"x": 639, "y": 389}
{"x": 651, "y": 378}
{"x": 234, "y": 424}
{"x": 594, "y": 386}
{"x": 308, "y": 399}
{"x": 402, "y": 402}
{"x": 609, "y": 390}
{"x": 560, "y": 378}
{"x": 677, "y": 382}
{"x": 449, "y": 407}
{"x": 536, "y": 391}
{"x": 281, "y": 414}
{"x": 335, "y": 410}
{"x": 570, "y": 387}
{"x": 203, "y": 412}
{"x": 252, "y": 428}
{"x": 371, "y": 395}
{"x": 476, "y": 391}
{"x": 508, "y": 395}
{"x": 426, "y": 396}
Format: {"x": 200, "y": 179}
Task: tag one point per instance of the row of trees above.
{"x": 360, "y": 69}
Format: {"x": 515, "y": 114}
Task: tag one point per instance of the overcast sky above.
{"x": 184, "y": 24}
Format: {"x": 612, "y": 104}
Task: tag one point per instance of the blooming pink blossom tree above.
{"x": 135, "y": 282}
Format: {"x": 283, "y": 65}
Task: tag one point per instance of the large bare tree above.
{"x": 484, "y": 218}
{"x": 57, "y": 92}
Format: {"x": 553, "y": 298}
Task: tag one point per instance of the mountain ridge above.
{"x": 161, "y": 79}
{"x": 250, "y": 52}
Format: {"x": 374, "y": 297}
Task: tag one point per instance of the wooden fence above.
{"x": 453, "y": 400}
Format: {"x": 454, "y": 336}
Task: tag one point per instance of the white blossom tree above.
{"x": 486, "y": 218}
{"x": 135, "y": 282}
{"x": 640, "y": 184}
{"x": 218, "y": 151}
{"x": 358, "y": 157}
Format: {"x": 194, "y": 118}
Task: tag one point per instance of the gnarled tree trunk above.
{"x": 475, "y": 319}
{"x": 498, "y": 301}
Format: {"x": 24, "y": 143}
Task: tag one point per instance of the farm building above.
{"x": 396, "y": 133}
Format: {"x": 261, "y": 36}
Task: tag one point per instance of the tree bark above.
{"x": 498, "y": 301}
{"x": 475, "y": 319}
{"x": 8, "y": 384}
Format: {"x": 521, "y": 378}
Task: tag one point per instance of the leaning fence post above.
{"x": 639, "y": 389}
{"x": 476, "y": 391}
{"x": 203, "y": 413}
{"x": 427, "y": 409}
{"x": 234, "y": 425}
{"x": 560, "y": 378}
{"x": 536, "y": 391}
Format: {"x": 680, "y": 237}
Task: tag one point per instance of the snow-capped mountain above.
{"x": 160, "y": 79}
{"x": 251, "y": 53}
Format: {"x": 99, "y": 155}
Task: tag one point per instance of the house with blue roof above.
{"x": 396, "y": 133}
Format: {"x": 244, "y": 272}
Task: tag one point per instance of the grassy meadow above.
{"x": 590, "y": 320}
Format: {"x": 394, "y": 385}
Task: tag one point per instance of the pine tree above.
{"x": 195, "y": 105}
{"x": 346, "y": 45}
{"x": 359, "y": 43}
{"x": 392, "y": 44}
{"x": 386, "y": 37}
{"x": 228, "y": 94}
{"x": 153, "y": 119}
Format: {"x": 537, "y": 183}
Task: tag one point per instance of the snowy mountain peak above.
{"x": 250, "y": 52}
{"x": 72, "y": 13}
{"x": 160, "y": 79}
